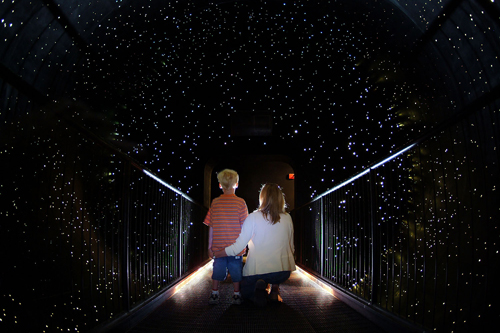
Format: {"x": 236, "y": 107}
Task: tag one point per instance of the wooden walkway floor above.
{"x": 305, "y": 308}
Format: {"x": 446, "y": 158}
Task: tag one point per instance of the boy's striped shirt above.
{"x": 226, "y": 216}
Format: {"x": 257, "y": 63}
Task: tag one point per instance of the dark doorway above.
{"x": 254, "y": 171}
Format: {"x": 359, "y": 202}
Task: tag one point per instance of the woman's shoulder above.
{"x": 286, "y": 217}
{"x": 255, "y": 213}
{"x": 256, "y": 216}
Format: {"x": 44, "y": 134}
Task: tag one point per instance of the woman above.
{"x": 268, "y": 231}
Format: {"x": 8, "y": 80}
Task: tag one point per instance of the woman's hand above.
{"x": 217, "y": 254}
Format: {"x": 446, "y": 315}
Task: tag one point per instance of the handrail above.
{"x": 104, "y": 234}
{"x": 404, "y": 235}
{"x": 482, "y": 101}
{"x": 364, "y": 172}
{"x": 117, "y": 151}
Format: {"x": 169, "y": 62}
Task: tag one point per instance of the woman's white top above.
{"x": 270, "y": 245}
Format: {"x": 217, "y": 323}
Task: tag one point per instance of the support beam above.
{"x": 7, "y": 75}
{"x": 65, "y": 22}
{"x": 435, "y": 26}
{"x": 491, "y": 9}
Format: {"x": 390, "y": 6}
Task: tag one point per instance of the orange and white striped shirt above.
{"x": 226, "y": 216}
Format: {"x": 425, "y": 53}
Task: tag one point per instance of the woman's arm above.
{"x": 219, "y": 254}
{"x": 240, "y": 243}
{"x": 247, "y": 231}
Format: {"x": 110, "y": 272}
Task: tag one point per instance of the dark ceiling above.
{"x": 331, "y": 85}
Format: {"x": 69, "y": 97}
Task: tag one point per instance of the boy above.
{"x": 225, "y": 217}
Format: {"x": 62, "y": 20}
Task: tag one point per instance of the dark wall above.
{"x": 255, "y": 171}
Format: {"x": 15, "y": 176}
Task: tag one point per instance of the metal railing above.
{"x": 88, "y": 235}
{"x": 416, "y": 235}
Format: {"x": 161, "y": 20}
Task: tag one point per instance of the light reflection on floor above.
{"x": 306, "y": 307}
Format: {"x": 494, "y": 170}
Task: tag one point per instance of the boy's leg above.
{"x": 237, "y": 299}
{"x": 234, "y": 266}
{"x": 219, "y": 274}
{"x": 214, "y": 295}
{"x": 215, "y": 285}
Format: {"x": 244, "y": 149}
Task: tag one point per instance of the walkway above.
{"x": 305, "y": 308}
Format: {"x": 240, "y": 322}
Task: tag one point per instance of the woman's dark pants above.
{"x": 248, "y": 283}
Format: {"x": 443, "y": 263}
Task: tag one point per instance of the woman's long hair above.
{"x": 272, "y": 202}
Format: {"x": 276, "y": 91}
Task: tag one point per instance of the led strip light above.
{"x": 167, "y": 185}
{"x": 364, "y": 172}
{"x": 316, "y": 282}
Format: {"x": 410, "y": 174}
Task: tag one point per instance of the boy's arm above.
{"x": 210, "y": 237}
{"x": 207, "y": 222}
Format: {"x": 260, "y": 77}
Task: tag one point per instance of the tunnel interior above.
{"x": 339, "y": 84}
{"x": 320, "y": 89}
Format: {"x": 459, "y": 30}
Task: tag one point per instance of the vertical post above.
{"x": 181, "y": 215}
{"x": 125, "y": 262}
{"x": 322, "y": 237}
{"x": 374, "y": 242}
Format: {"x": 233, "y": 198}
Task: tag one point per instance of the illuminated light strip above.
{"x": 364, "y": 172}
{"x": 167, "y": 185}
{"x": 320, "y": 284}
{"x": 393, "y": 156}
{"x": 191, "y": 277}
{"x": 342, "y": 184}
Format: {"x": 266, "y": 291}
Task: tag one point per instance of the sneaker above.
{"x": 237, "y": 299}
{"x": 260, "y": 295}
{"x": 214, "y": 299}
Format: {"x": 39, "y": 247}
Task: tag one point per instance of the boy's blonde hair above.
{"x": 228, "y": 178}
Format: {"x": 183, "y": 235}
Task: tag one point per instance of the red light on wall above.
{"x": 290, "y": 176}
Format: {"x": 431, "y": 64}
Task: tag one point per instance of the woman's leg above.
{"x": 274, "y": 295}
{"x": 275, "y": 280}
{"x": 277, "y": 277}
{"x": 249, "y": 282}
{"x": 247, "y": 286}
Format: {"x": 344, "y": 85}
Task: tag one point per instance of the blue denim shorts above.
{"x": 223, "y": 265}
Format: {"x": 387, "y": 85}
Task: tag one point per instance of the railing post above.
{"x": 181, "y": 208}
{"x": 322, "y": 237}
{"x": 374, "y": 242}
{"x": 125, "y": 262}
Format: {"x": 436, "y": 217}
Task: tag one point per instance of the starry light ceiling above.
{"x": 171, "y": 80}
